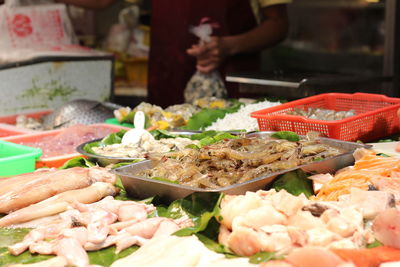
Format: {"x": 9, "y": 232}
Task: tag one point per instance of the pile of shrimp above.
{"x": 236, "y": 161}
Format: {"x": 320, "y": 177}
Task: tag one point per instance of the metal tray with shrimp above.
{"x": 142, "y": 187}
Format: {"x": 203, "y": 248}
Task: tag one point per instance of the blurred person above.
{"x": 246, "y": 27}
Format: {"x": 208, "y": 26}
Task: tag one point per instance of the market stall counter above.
{"x": 329, "y": 203}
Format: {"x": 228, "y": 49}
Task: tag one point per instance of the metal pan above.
{"x": 107, "y": 160}
{"x": 141, "y": 187}
{"x": 100, "y": 159}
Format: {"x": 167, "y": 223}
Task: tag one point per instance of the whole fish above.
{"x": 24, "y": 190}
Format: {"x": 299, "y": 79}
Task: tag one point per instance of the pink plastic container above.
{"x": 59, "y": 160}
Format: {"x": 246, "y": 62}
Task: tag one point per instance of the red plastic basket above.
{"x": 376, "y": 116}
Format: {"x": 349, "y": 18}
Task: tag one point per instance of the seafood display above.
{"x": 322, "y": 113}
{"x": 23, "y": 190}
{"x": 173, "y": 116}
{"x": 84, "y": 216}
{"x": 26, "y": 122}
{"x": 88, "y": 227}
{"x": 280, "y": 222}
{"x": 146, "y": 146}
{"x": 369, "y": 171}
{"x": 68, "y": 139}
{"x": 317, "y": 256}
{"x": 235, "y": 161}
{"x": 173, "y": 250}
{"x": 297, "y": 230}
{"x": 59, "y": 203}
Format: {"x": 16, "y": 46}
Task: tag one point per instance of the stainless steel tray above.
{"x": 100, "y": 159}
{"x": 141, "y": 187}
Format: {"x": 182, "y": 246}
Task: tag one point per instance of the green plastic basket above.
{"x": 114, "y": 121}
{"x": 17, "y": 159}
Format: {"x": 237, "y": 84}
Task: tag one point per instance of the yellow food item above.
{"x": 178, "y": 120}
{"x": 217, "y": 104}
{"x": 201, "y": 102}
{"x": 162, "y": 125}
{"x": 167, "y": 114}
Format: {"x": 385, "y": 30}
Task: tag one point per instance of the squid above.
{"x": 59, "y": 203}
{"x": 21, "y": 191}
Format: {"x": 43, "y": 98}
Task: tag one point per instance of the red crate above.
{"x": 55, "y": 161}
{"x": 376, "y": 116}
{"x": 10, "y": 130}
{"x": 11, "y": 119}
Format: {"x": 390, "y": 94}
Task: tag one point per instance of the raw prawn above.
{"x": 235, "y": 161}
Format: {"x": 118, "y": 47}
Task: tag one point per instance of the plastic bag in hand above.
{"x": 205, "y": 85}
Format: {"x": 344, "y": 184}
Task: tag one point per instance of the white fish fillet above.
{"x": 177, "y": 251}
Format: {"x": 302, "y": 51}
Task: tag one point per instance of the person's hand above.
{"x": 209, "y": 55}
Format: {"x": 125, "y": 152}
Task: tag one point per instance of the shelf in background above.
{"x": 126, "y": 94}
{"x": 130, "y": 91}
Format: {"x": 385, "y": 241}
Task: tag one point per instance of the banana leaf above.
{"x": 6, "y": 258}
{"x": 211, "y": 137}
{"x": 207, "y": 116}
{"x": 159, "y": 134}
{"x": 202, "y": 135}
{"x": 77, "y": 162}
{"x": 103, "y": 257}
{"x": 264, "y": 256}
{"x": 374, "y": 244}
{"x": 294, "y": 182}
{"x": 288, "y": 135}
{"x": 114, "y": 138}
{"x": 200, "y": 207}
